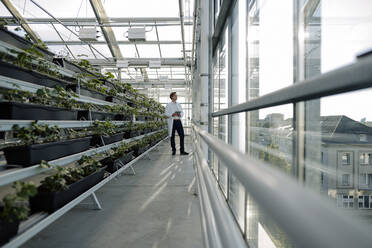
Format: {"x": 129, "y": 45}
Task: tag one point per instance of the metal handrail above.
{"x": 348, "y": 78}
{"x": 220, "y": 225}
{"x": 309, "y": 219}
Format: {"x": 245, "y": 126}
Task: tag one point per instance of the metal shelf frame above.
{"x": 39, "y": 226}
{"x": 4, "y": 47}
{"x": 8, "y": 177}
{"x": 11, "y": 83}
{"x": 6, "y": 125}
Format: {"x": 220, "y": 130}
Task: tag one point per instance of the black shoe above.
{"x": 173, "y": 153}
{"x": 184, "y": 153}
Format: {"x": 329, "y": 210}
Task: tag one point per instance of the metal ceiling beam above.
{"x": 165, "y": 62}
{"x": 180, "y": 4}
{"x": 120, "y": 42}
{"x": 58, "y": 21}
{"x": 310, "y": 7}
{"x": 108, "y": 33}
{"x": 221, "y": 20}
{"x": 114, "y": 21}
{"x": 19, "y": 18}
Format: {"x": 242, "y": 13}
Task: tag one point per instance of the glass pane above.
{"x": 337, "y": 156}
{"x": 270, "y": 44}
{"x": 141, "y": 8}
{"x": 69, "y": 8}
{"x": 169, "y": 33}
{"x": 261, "y": 230}
{"x": 172, "y": 51}
{"x": 4, "y": 11}
{"x": 271, "y": 132}
{"x": 128, "y": 51}
{"x": 216, "y": 105}
{"x": 237, "y": 199}
{"x": 345, "y": 31}
{"x": 223, "y": 172}
{"x": 148, "y": 51}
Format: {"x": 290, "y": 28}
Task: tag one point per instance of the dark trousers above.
{"x": 177, "y": 125}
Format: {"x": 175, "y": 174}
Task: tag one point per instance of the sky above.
{"x": 345, "y": 32}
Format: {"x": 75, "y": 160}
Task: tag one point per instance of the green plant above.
{"x": 67, "y": 176}
{"x": 43, "y": 96}
{"x": 74, "y": 134}
{"x": 85, "y": 63}
{"x": 120, "y": 150}
{"x": 73, "y": 174}
{"x": 64, "y": 98}
{"x": 89, "y": 165}
{"x": 56, "y": 182}
{"x": 36, "y": 133}
{"x": 16, "y": 95}
{"x": 15, "y": 206}
{"x": 105, "y": 128}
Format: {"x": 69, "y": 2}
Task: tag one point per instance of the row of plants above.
{"x": 32, "y": 58}
{"x": 65, "y": 184}
{"x": 26, "y": 59}
{"x": 43, "y": 133}
{"x": 43, "y": 142}
{"x": 64, "y": 99}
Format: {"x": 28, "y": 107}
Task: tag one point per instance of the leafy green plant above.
{"x": 36, "y": 133}
{"x": 105, "y": 128}
{"x": 71, "y": 133}
{"x": 64, "y": 98}
{"x": 89, "y": 165}
{"x": 119, "y": 151}
{"x": 16, "y": 95}
{"x": 85, "y": 63}
{"x": 14, "y": 206}
{"x": 67, "y": 176}
{"x": 56, "y": 182}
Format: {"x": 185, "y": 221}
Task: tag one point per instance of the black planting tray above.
{"x": 96, "y": 140}
{"x": 26, "y": 111}
{"x": 51, "y": 201}
{"x": 87, "y": 92}
{"x": 114, "y": 165}
{"x": 28, "y": 155}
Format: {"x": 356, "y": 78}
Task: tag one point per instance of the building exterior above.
{"x": 345, "y": 163}
{"x": 347, "y": 155}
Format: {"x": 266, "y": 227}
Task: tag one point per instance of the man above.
{"x": 174, "y": 112}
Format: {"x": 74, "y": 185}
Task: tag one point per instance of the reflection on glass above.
{"x": 223, "y": 103}
{"x": 271, "y": 140}
{"x": 237, "y": 199}
{"x": 271, "y": 136}
{"x": 216, "y": 106}
{"x": 342, "y": 168}
{"x": 270, "y": 46}
{"x": 261, "y": 230}
{"x": 222, "y": 170}
{"x": 338, "y": 136}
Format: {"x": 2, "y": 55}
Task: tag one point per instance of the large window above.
{"x": 345, "y": 201}
{"x": 325, "y": 143}
{"x": 365, "y": 158}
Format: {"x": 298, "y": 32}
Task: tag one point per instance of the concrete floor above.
{"x": 155, "y": 208}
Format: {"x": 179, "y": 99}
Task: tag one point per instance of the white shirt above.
{"x": 171, "y": 108}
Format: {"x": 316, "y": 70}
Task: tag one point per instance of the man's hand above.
{"x": 176, "y": 114}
